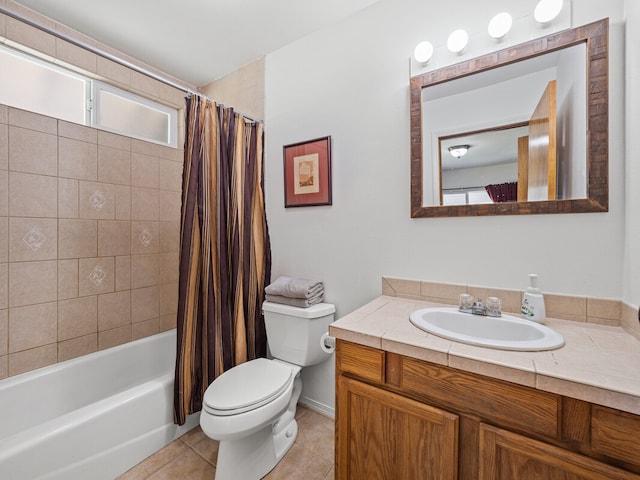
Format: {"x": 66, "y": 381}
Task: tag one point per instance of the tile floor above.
{"x": 193, "y": 455}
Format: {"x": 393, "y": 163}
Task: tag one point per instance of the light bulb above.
{"x": 547, "y": 10}
{"x": 500, "y": 25}
{"x": 423, "y": 52}
{"x": 457, "y": 41}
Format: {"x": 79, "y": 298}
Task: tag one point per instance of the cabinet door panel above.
{"x": 506, "y": 456}
{"x": 381, "y": 435}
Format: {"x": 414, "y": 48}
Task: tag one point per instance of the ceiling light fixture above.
{"x": 459, "y": 150}
{"x": 547, "y": 10}
{"x": 457, "y": 41}
{"x": 423, "y": 52}
{"x": 500, "y": 25}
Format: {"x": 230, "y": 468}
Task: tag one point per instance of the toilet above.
{"x": 250, "y": 409}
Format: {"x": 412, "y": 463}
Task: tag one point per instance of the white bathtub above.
{"x": 92, "y": 417}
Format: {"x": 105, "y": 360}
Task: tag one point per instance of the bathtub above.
{"x": 94, "y": 416}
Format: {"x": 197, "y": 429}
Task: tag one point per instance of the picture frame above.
{"x": 307, "y": 173}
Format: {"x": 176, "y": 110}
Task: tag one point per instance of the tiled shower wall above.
{"x": 89, "y": 224}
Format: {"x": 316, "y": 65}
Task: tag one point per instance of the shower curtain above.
{"x": 225, "y": 256}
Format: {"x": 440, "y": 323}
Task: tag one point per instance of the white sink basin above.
{"x": 505, "y": 333}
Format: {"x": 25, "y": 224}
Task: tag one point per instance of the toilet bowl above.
{"x": 250, "y": 409}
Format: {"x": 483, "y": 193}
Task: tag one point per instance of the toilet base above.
{"x": 252, "y": 457}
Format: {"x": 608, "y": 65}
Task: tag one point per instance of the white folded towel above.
{"x": 295, "y": 302}
{"x": 295, "y": 287}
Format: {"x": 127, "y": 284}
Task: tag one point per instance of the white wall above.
{"x": 632, "y": 127}
{"x": 351, "y": 82}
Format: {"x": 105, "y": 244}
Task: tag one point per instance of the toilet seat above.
{"x": 247, "y": 387}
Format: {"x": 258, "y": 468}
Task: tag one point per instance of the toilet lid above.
{"x": 247, "y": 386}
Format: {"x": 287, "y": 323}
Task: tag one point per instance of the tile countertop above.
{"x": 598, "y": 364}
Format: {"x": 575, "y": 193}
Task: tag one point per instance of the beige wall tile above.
{"x": 77, "y": 159}
{"x": 145, "y": 171}
{"x": 4, "y": 113}
{"x": 114, "y": 165}
{"x": 123, "y": 202}
{"x": 4, "y": 285}
{"x": 77, "y": 347}
{"x": 67, "y": 198}
{"x": 33, "y": 239}
{"x": 77, "y": 238}
{"x": 77, "y": 317}
{"x": 96, "y": 276}
{"x": 169, "y": 267}
{"x": 32, "y": 195}
{"x": 4, "y": 332}
{"x": 167, "y": 322}
{"x": 4, "y": 146}
{"x": 145, "y": 329}
{"x": 114, "y": 238}
{"x": 32, "y": 152}
{"x": 123, "y": 272}
{"x": 32, "y": 326}
{"x": 114, "y": 140}
{"x": 4, "y": 360}
{"x": 67, "y": 279}
{"x": 32, "y": 121}
{"x": 566, "y": 307}
{"x": 28, "y": 360}
{"x": 399, "y": 286}
{"x": 77, "y": 56}
{"x": 168, "y": 298}
{"x": 170, "y": 175}
{"x": 114, "y": 310}
{"x": 145, "y": 204}
{"x": 97, "y": 200}
{"x": 4, "y": 239}
{"x": 170, "y": 206}
{"x": 604, "y": 309}
{"x": 113, "y": 71}
{"x": 30, "y": 36}
{"x": 442, "y": 291}
{"x": 33, "y": 282}
{"x": 116, "y": 336}
{"x": 145, "y": 304}
{"x": 145, "y": 270}
{"x": 169, "y": 237}
{"x": 77, "y": 132}
{"x": 145, "y": 237}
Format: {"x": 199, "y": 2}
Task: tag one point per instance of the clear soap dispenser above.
{"x": 533, "y": 301}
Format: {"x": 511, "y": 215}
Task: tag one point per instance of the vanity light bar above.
{"x": 545, "y": 12}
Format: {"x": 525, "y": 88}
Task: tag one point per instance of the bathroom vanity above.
{"x": 410, "y": 405}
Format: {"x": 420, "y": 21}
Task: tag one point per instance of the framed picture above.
{"x": 307, "y": 173}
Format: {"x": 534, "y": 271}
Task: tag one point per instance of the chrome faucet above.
{"x": 478, "y": 308}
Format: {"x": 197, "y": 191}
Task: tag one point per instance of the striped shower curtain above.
{"x": 225, "y": 256}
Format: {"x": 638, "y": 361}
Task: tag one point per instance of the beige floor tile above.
{"x": 156, "y": 461}
{"x": 315, "y": 433}
{"x": 190, "y": 465}
{"x": 300, "y": 464}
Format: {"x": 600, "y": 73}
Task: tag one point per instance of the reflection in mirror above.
{"x": 536, "y": 135}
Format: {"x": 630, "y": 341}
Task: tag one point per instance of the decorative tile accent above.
{"x": 145, "y": 237}
{"x": 34, "y": 239}
{"x": 98, "y": 200}
{"x": 97, "y": 275}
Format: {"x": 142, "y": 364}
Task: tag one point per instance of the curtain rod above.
{"x": 108, "y": 56}
{"x": 95, "y": 50}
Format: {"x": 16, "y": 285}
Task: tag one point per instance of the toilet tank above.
{"x": 293, "y": 333}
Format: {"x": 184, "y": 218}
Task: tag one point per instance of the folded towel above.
{"x": 295, "y": 302}
{"x": 295, "y": 287}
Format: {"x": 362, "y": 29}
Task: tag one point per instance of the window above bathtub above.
{"x": 43, "y": 86}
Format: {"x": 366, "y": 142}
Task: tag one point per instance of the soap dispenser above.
{"x": 533, "y": 301}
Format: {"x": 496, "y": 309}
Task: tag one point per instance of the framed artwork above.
{"x": 307, "y": 173}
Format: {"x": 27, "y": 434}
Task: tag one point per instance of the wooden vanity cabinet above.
{"x": 402, "y": 418}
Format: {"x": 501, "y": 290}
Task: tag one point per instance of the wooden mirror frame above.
{"x": 596, "y": 37}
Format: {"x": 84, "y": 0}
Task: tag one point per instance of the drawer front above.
{"x": 508, "y": 405}
{"x": 363, "y": 362}
{"x": 615, "y": 434}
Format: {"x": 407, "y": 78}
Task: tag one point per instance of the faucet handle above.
{"x": 493, "y": 307}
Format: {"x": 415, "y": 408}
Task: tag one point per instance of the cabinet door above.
{"x": 381, "y": 435}
{"x": 506, "y": 456}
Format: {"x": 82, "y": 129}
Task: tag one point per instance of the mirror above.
{"x": 534, "y": 119}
